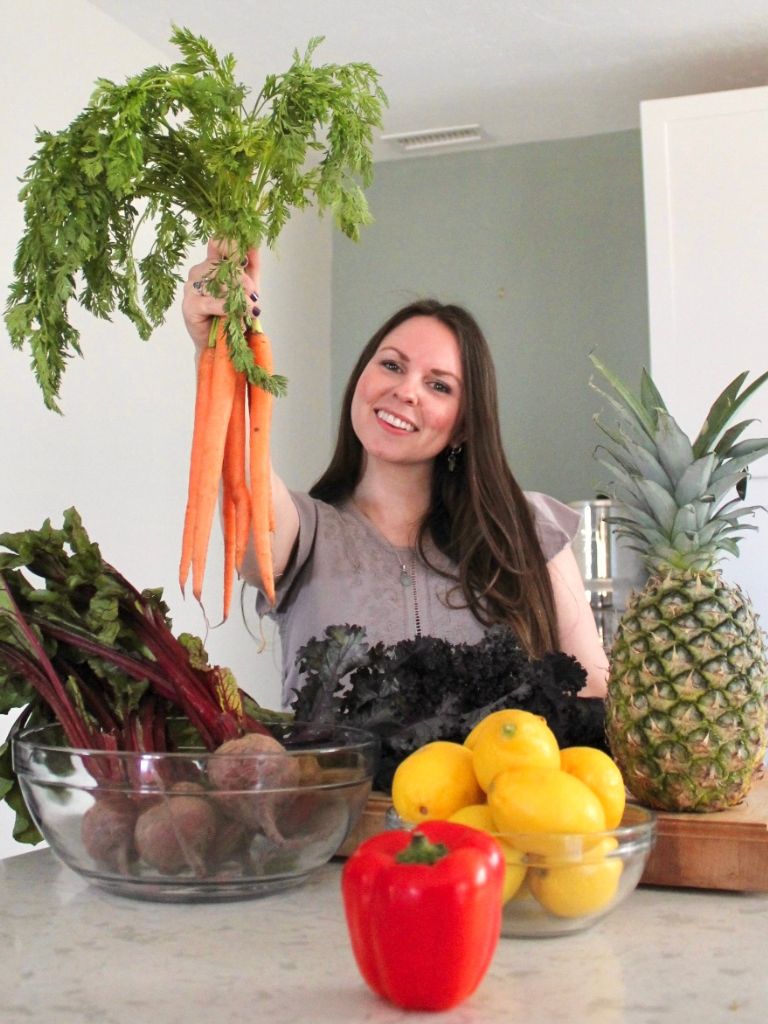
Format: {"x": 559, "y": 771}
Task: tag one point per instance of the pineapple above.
{"x": 688, "y": 685}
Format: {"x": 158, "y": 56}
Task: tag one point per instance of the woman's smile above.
{"x": 390, "y": 419}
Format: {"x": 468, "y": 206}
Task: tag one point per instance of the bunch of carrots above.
{"x": 230, "y": 452}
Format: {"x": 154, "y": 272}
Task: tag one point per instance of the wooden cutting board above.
{"x": 720, "y": 850}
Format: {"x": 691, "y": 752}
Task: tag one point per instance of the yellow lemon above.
{"x": 514, "y": 739}
{"x": 598, "y": 771}
{"x": 479, "y": 816}
{"x": 535, "y": 808}
{"x": 434, "y": 781}
{"x": 573, "y": 890}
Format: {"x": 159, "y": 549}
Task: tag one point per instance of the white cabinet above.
{"x": 705, "y": 168}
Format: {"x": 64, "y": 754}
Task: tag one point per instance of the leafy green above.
{"x": 174, "y": 150}
{"x": 424, "y": 689}
{"x": 81, "y": 647}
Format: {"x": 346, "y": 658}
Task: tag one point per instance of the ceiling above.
{"x": 524, "y": 70}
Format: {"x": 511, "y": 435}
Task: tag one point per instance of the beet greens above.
{"x": 80, "y": 646}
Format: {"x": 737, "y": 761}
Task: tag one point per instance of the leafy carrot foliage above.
{"x": 176, "y": 154}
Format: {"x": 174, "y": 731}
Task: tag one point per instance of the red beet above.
{"x": 251, "y": 785}
{"x": 176, "y": 832}
{"x": 107, "y": 831}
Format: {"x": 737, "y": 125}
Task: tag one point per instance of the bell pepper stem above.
{"x": 421, "y": 851}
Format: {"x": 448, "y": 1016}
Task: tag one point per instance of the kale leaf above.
{"x": 427, "y": 688}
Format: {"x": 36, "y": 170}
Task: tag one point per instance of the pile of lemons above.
{"x": 549, "y": 808}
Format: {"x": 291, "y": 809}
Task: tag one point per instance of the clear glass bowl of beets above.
{"x": 193, "y": 825}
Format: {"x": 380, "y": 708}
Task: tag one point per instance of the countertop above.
{"x": 75, "y": 955}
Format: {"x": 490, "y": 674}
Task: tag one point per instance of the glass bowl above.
{"x": 196, "y": 826}
{"x": 566, "y": 883}
{"x": 560, "y": 883}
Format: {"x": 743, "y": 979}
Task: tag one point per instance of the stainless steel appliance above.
{"x": 611, "y": 569}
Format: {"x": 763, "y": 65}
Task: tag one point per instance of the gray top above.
{"x": 345, "y": 571}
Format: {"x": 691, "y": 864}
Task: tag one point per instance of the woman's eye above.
{"x": 390, "y": 364}
{"x": 441, "y": 386}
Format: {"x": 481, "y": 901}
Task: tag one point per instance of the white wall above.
{"x": 705, "y": 162}
{"x": 119, "y": 452}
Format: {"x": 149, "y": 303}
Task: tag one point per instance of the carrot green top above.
{"x": 177, "y": 149}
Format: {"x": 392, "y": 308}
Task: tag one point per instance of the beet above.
{"x": 230, "y": 843}
{"x": 107, "y": 831}
{"x": 248, "y": 783}
{"x": 177, "y": 832}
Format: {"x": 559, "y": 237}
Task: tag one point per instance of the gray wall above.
{"x": 544, "y": 243}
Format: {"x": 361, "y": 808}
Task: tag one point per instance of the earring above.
{"x": 453, "y": 456}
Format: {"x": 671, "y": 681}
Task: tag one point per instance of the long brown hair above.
{"x": 479, "y": 516}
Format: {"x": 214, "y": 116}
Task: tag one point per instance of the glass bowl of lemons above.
{"x": 573, "y": 846}
{"x": 557, "y": 883}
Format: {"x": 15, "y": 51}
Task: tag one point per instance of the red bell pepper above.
{"x": 423, "y": 910}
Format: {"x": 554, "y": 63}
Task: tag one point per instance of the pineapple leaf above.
{"x": 625, "y": 417}
{"x": 730, "y": 437}
{"x": 638, "y": 462}
{"x": 675, "y": 451}
{"x": 685, "y": 521}
{"x": 723, "y": 409}
{"x": 635, "y": 518}
{"x": 620, "y": 436}
{"x": 723, "y": 480}
{"x": 736, "y": 514}
{"x": 685, "y": 542}
{"x": 694, "y": 480}
{"x": 649, "y": 394}
{"x": 660, "y": 503}
{"x": 718, "y": 416}
{"x": 750, "y": 450}
{"x": 620, "y": 476}
{"x": 642, "y": 416}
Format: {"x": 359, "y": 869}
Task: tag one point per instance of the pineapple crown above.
{"x": 672, "y": 491}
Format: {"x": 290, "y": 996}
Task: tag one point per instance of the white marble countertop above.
{"x": 72, "y": 954}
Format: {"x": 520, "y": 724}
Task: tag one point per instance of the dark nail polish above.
{"x": 254, "y": 297}
{"x": 256, "y": 311}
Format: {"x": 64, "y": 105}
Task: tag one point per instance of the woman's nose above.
{"x": 405, "y": 390}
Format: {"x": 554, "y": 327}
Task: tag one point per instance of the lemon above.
{"x": 598, "y": 771}
{"x": 434, "y": 782}
{"x": 535, "y": 808}
{"x": 479, "y": 816}
{"x": 511, "y": 739}
{"x": 573, "y": 890}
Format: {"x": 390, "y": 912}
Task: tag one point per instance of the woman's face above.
{"x": 407, "y": 403}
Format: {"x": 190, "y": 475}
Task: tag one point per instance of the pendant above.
{"x": 405, "y": 576}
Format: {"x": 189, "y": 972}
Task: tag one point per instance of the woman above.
{"x": 418, "y": 526}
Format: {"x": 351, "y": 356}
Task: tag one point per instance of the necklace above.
{"x": 407, "y": 569}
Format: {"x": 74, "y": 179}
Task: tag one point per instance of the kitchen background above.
{"x": 547, "y": 239}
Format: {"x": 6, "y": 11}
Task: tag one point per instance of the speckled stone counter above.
{"x": 74, "y": 955}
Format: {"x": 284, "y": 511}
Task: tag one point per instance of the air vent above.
{"x": 435, "y": 138}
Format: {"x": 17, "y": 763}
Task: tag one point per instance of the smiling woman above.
{"x": 418, "y": 526}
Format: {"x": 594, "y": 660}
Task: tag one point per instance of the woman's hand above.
{"x": 198, "y": 308}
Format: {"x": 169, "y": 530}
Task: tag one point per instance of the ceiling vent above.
{"x": 435, "y": 138}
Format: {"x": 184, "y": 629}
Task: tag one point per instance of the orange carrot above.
{"x": 211, "y": 458}
{"x": 229, "y": 522}
{"x": 260, "y": 412}
{"x": 234, "y": 471}
{"x": 202, "y": 400}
